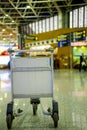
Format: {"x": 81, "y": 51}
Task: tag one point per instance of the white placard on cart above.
{"x": 22, "y": 62}
{"x": 35, "y": 81}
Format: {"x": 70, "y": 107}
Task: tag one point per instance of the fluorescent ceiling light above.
{"x": 6, "y": 15}
{"x": 12, "y": 21}
{"x": 28, "y": 7}
{"x": 11, "y": 34}
{"x": 4, "y": 39}
{"x": 3, "y": 30}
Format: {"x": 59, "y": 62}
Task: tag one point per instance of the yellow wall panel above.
{"x": 55, "y": 33}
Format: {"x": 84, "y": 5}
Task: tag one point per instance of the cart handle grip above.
{"x": 48, "y": 50}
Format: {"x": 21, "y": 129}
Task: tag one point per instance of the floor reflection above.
{"x": 5, "y": 79}
{"x": 70, "y": 90}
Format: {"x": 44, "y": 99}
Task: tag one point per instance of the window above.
{"x": 75, "y": 18}
{"x": 44, "y": 25}
{"x": 47, "y": 25}
{"x": 33, "y": 28}
{"x": 37, "y": 28}
{"x": 51, "y": 23}
{"x": 81, "y": 17}
{"x": 55, "y": 22}
{"x": 85, "y": 19}
{"x": 40, "y": 26}
{"x": 71, "y": 20}
{"x": 30, "y": 28}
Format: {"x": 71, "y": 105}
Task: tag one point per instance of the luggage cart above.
{"x": 27, "y": 74}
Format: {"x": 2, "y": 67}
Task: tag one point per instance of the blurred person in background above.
{"x": 82, "y": 64}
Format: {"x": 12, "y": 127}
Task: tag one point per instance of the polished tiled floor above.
{"x": 70, "y": 90}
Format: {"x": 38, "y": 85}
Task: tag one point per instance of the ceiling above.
{"x": 20, "y": 12}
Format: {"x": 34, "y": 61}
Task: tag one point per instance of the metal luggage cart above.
{"x": 27, "y": 74}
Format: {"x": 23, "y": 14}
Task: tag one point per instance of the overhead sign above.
{"x": 79, "y": 35}
{"x": 62, "y": 37}
{"x": 66, "y": 39}
{"x": 27, "y": 37}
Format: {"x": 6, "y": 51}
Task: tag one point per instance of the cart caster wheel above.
{"x": 55, "y": 119}
{"x": 9, "y": 121}
{"x": 34, "y": 109}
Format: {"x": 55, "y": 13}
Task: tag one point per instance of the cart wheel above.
{"x": 34, "y": 109}
{"x": 55, "y": 119}
{"x": 9, "y": 121}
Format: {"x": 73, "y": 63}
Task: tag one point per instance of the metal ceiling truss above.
{"x": 20, "y": 12}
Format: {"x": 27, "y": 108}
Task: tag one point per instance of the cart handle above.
{"x": 48, "y": 50}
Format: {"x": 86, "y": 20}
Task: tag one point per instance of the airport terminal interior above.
{"x": 43, "y": 77}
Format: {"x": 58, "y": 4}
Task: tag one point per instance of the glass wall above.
{"x": 41, "y": 26}
{"x": 51, "y": 23}
{"x": 75, "y": 18}
{"x": 85, "y": 20}
{"x": 81, "y": 22}
{"x": 78, "y": 17}
{"x": 71, "y": 19}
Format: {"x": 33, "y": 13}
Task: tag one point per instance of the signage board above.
{"x": 79, "y": 35}
{"x": 79, "y": 43}
{"x": 66, "y": 39}
{"x": 28, "y": 37}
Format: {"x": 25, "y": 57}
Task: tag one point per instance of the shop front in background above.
{"x": 62, "y": 58}
{"x": 77, "y": 49}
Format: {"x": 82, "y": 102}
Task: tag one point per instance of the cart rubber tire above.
{"x": 34, "y": 109}
{"x": 9, "y": 121}
{"x": 55, "y": 119}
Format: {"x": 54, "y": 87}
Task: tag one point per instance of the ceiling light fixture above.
{"x": 3, "y": 30}
{"x": 11, "y": 34}
{"x": 12, "y": 21}
{"x": 4, "y": 39}
{"x": 28, "y": 7}
{"x": 6, "y": 15}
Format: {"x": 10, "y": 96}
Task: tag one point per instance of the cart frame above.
{"x": 26, "y": 69}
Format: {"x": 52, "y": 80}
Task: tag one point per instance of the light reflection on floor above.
{"x": 70, "y": 90}
{"x": 5, "y": 79}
